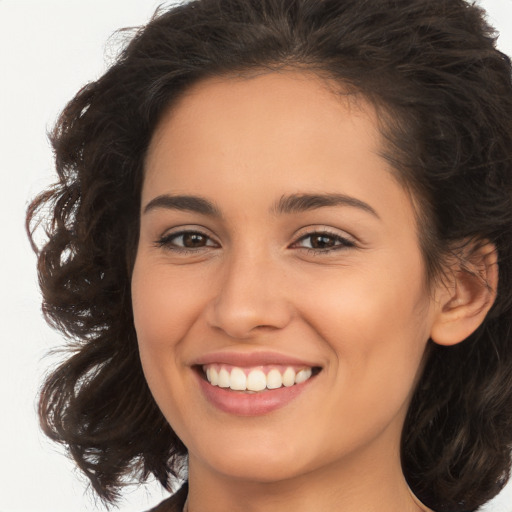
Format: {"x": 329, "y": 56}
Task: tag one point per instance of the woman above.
{"x": 282, "y": 241}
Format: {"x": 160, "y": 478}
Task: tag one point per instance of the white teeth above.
{"x": 239, "y": 380}
{"x": 256, "y": 380}
{"x": 303, "y": 375}
{"x": 289, "y": 377}
{"x": 274, "y": 379}
{"x": 213, "y": 377}
{"x": 224, "y": 380}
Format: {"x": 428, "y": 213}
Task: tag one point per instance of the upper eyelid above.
{"x": 170, "y": 234}
{"x": 300, "y": 234}
{"x": 179, "y": 234}
{"x": 324, "y": 233}
{"x": 179, "y": 230}
{"x": 345, "y": 242}
{"x": 324, "y": 230}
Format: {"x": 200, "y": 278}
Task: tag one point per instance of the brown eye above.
{"x": 186, "y": 240}
{"x": 323, "y": 242}
{"x": 193, "y": 240}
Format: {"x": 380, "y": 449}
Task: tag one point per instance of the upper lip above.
{"x": 249, "y": 359}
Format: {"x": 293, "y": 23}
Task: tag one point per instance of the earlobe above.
{"x": 466, "y": 295}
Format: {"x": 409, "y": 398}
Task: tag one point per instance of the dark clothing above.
{"x": 175, "y": 503}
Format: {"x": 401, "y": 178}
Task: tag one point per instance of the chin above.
{"x": 253, "y": 461}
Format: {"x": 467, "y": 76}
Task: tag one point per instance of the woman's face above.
{"x": 276, "y": 245}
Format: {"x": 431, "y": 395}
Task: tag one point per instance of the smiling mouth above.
{"x": 256, "y": 379}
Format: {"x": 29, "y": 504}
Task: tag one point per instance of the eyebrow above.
{"x": 293, "y": 203}
{"x": 303, "y": 202}
{"x": 186, "y": 203}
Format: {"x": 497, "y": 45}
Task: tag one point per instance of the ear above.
{"x": 465, "y": 296}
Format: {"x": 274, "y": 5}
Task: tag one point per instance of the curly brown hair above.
{"x": 445, "y": 94}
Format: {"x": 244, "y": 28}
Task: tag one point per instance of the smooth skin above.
{"x": 340, "y": 285}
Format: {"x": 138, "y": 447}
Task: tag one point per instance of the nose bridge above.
{"x": 249, "y": 294}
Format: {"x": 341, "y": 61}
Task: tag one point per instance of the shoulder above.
{"x": 173, "y": 504}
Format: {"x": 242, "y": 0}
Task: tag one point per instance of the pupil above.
{"x": 193, "y": 240}
{"x": 322, "y": 241}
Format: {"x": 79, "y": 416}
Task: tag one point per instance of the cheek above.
{"x": 165, "y": 307}
{"x": 376, "y": 325}
{"x": 164, "y": 304}
{"x": 367, "y": 309}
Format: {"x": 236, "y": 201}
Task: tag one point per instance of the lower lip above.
{"x": 251, "y": 404}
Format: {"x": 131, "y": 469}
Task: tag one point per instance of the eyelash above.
{"x": 340, "y": 241}
{"x": 168, "y": 242}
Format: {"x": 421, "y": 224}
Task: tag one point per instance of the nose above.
{"x": 250, "y": 297}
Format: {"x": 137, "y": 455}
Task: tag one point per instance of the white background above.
{"x": 48, "y": 50}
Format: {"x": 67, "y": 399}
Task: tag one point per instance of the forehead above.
{"x": 244, "y": 144}
{"x": 271, "y": 119}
